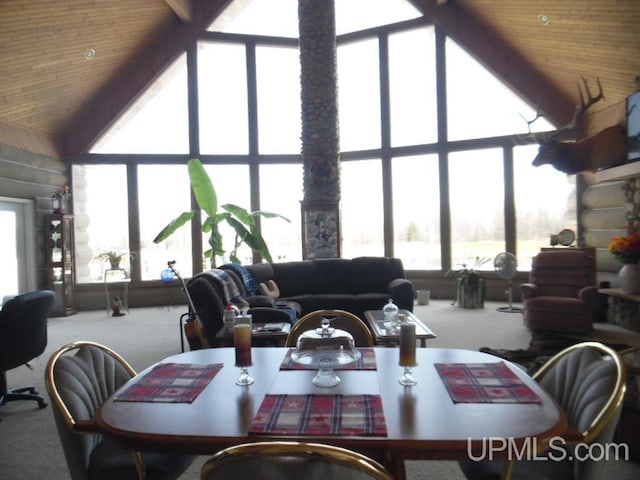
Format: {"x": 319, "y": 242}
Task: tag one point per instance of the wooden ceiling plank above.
{"x": 110, "y": 102}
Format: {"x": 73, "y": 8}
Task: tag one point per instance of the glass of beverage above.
{"x": 242, "y": 341}
{"x": 407, "y": 353}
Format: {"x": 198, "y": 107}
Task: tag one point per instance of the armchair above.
{"x": 23, "y": 337}
{"x": 561, "y": 295}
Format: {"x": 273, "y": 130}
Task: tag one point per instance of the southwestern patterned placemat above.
{"x": 484, "y": 383}
{"x": 170, "y": 383}
{"x": 322, "y": 414}
{"x": 367, "y": 361}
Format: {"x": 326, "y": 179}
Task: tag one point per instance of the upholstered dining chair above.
{"x": 339, "y": 319}
{"x": 588, "y": 381}
{"x": 291, "y": 460}
{"x": 23, "y": 337}
{"x": 80, "y": 376}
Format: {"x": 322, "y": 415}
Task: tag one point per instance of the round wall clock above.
{"x": 566, "y": 237}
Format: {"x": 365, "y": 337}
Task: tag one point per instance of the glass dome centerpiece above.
{"x": 325, "y": 348}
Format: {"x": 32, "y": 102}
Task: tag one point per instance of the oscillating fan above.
{"x": 505, "y": 265}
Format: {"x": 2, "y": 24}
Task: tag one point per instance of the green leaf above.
{"x": 173, "y": 226}
{"x": 202, "y": 187}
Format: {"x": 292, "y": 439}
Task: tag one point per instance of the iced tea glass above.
{"x": 242, "y": 341}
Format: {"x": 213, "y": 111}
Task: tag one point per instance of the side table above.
{"x": 119, "y": 277}
{"x": 384, "y": 336}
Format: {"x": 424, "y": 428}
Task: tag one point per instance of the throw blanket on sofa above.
{"x": 248, "y": 281}
{"x": 229, "y": 287}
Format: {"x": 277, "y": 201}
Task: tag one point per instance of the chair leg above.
{"x": 23, "y": 393}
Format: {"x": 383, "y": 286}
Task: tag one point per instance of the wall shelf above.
{"x": 621, "y": 172}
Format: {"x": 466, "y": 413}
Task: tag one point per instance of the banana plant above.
{"x": 242, "y": 221}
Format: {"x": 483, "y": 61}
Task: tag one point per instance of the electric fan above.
{"x": 505, "y": 265}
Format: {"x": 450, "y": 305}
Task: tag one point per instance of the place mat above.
{"x": 367, "y": 361}
{"x": 322, "y": 414}
{"x": 170, "y": 383}
{"x": 484, "y": 383}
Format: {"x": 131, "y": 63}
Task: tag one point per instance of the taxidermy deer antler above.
{"x": 605, "y": 149}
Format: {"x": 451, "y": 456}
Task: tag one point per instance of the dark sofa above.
{"x": 354, "y": 285}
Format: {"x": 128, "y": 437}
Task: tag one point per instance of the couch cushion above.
{"x": 293, "y": 278}
{"x": 331, "y": 275}
{"x": 371, "y": 274}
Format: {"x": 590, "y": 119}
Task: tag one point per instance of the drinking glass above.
{"x": 407, "y": 353}
{"x": 242, "y": 341}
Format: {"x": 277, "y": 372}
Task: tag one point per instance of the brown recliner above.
{"x": 562, "y": 294}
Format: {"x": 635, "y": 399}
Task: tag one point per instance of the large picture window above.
{"x": 401, "y": 180}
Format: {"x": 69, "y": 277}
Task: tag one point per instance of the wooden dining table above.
{"x": 422, "y": 421}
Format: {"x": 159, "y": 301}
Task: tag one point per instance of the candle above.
{"x": 407, "y": 345}
{"x": 242, "y": 340}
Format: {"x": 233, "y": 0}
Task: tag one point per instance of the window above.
{"x": 222, "y": 98}
{"x": 231, "y": 183}
{"x": 281, "y": 193}
{"x": 163, "y": 194}
{"x": 157, "y": 122}
{"x": 412, "y": 84}
{"x": 476, "y": 198}
{"x": 278, "y": 79}
{"x": 99, "y": 196}
{"x": 416, "y": 212}
{"x": 359, "y": 96}
{"x": 545, "y": 202}
{"x": 361, "y": 212}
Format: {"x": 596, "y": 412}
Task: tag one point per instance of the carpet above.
{"x": 543, "y": 346}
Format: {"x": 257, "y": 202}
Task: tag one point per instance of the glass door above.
{"x": 17, "y": 246}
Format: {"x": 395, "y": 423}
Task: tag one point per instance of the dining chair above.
{"x": 80, "y": 377}
{"x": 587, "y": 380}
{"x": 280, "y": 460}
{"x": 339, "y": 319}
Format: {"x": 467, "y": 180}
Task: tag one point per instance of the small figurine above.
{"x": 116, "y": 307}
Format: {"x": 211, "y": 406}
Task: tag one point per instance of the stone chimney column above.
{"x": 320, "y": 133}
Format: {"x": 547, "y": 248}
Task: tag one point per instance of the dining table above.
{"x": 441, "y": 417}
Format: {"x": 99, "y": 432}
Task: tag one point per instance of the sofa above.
{"x": 354, "y": 285}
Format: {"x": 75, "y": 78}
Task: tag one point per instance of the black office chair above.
{"x": 23, "y": 337}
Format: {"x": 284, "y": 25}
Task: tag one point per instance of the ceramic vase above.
{"x": 629, "y": 277}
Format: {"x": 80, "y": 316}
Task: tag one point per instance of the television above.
{"x": 633, "y": 127}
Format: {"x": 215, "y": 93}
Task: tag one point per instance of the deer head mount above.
{"x": 563, "y": 151}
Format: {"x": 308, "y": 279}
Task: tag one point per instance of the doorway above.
{"x": 17, "y": 246}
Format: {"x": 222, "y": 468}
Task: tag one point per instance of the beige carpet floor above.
{"x": 29, "y": 445}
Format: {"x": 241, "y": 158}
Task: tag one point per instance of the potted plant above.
{"x": 243, "y": 222}
{"x": 114, "y": 257}
{"x": 470, "y": 284}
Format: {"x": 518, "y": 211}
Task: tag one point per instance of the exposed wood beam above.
{"x": 499, "y": 57}
{"x": 98, "y": 114}
{"x": 182, "y": 8}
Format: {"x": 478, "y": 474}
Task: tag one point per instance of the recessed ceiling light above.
{"x": 543, "y": 19}
{"x": 90, "y": 54}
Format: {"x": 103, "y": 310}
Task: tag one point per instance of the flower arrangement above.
{"x": 626, "y": 248}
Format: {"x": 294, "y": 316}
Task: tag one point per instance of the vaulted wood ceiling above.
{"x": 56, "y": 101}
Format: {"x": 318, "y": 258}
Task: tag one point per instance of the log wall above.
{"x": 32, "y": 176}
{"x": 609, "y": 204}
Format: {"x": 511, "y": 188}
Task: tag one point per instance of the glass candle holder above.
{"x": 407, "y": 353}
{"x": 242, "y": 341}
